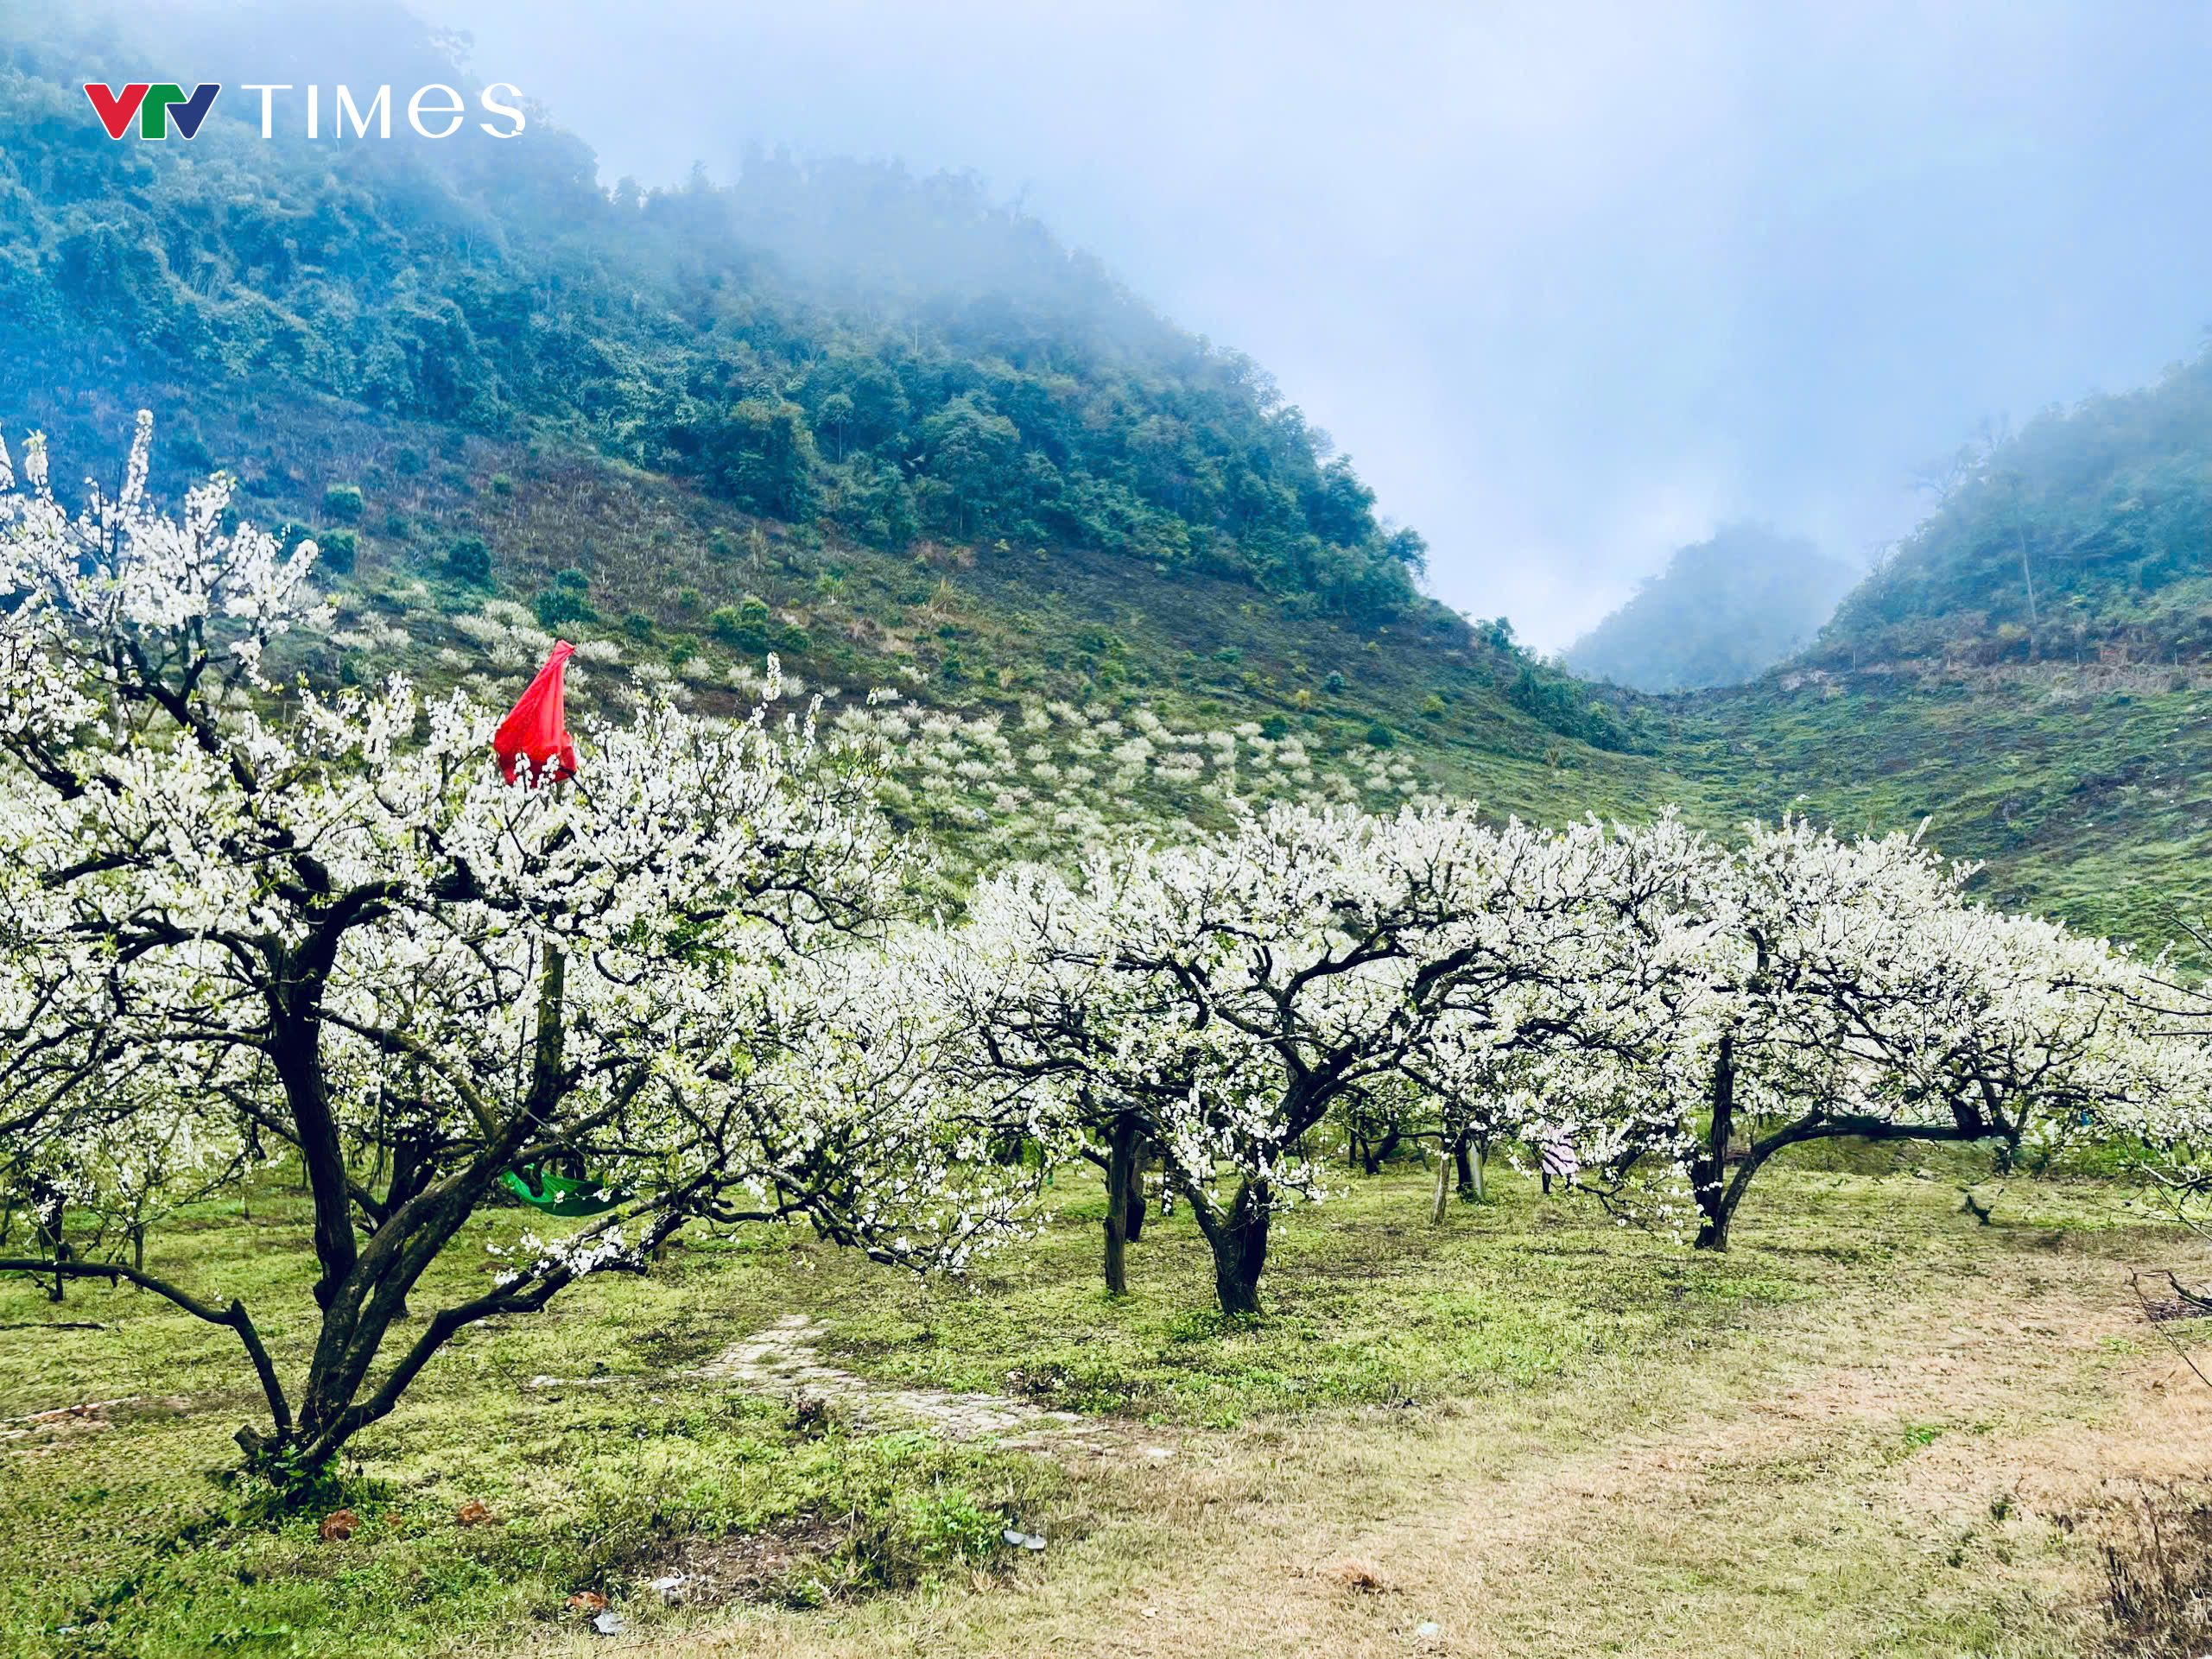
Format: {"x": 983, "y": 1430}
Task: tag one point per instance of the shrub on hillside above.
{"x": 565, "y": 600}
{"x": 469, "y": 560}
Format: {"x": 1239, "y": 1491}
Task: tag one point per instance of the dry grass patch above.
{"x": 1899, "y": 1463}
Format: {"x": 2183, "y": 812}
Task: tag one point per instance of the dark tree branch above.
{"x": 235, "y": 1317}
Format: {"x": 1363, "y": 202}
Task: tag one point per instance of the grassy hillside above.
{"x": 2088, "y": 792}
{"x": 1142, "y": 696}
{"x": 2029, "y": 670}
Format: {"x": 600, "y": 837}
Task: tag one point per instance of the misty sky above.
{"x": 1571, "y": 282}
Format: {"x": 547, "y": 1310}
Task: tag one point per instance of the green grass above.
{"x": 119, "y": 1539}
{"x": 2089, "y": 798}
{"x": 1366, "y": 1304}
{"x": 123, "y": 1540}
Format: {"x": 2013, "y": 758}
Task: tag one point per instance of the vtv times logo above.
{"x": 435, "y": 111}
{"x": 153, "y": 106}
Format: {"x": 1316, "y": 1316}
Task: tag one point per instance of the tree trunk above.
{"x": 1713, "y": 1231}
{"x": 1373, "y": 1153}
{"x": 296, "y": 1052}
{"x": 1708, "y": 1171}
{"x": 1470, "y": 1173}
{"x": 1443, "y": 1171}
{"x": 365, "y": 1287}
{"x": 1240, "y": 1245}
{"x": 52, "y": 1244}
{"x": 1121, "y": 1163}
{"x": 1133, "y": 1227}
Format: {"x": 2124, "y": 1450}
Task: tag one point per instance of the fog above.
{"x": 1572, "y": 283}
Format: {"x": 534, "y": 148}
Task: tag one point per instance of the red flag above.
{"x": 536, "y": 728}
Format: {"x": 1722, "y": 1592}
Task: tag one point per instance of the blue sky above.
{"x": 1572, "y": 283}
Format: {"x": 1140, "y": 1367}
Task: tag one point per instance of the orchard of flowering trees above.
{"x": 244, "y": 921}
{"x": 1658, "y": 1012}
{"x": 240, "y": 921}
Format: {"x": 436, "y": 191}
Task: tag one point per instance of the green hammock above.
{"x": 558, "y": 1195}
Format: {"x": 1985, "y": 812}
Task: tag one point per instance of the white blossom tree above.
{"x": 1555, "y": 1062}
{"x": 326, "y": 923}
{"x": 98, "y": 1167}
{"x": 1227, "y": 995}
{"x": 2156, "y": 1108}
{"x": 1847, "y": 988}
{"x": 1478, "y": 1094}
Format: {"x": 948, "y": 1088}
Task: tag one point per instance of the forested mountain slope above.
{"x": 895, "y": 356}
{"x": 873, "y": 424}
{"x": 2086, "y": 537}
{"x": 898, "y": 436}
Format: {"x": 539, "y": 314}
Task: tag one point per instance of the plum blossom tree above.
{"x": 1227, "y": 995}
{"x": 1847, "y": 988}
{"x": 98, "y": 1169}
{"x": 326, "y": 925}
{"x": 1478, "y": 1094}
{"x": 1554, "y": 1062}
{"x": 1376, "y": 1122}
{"x": 2156, "y": 1108}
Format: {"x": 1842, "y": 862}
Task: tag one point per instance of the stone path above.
{"x": 783, "y": 1359}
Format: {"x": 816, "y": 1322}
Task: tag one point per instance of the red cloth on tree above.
{"x": 536, "y": 728}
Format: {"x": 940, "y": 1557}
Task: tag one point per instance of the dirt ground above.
{"x": 1881, "y": 1473}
